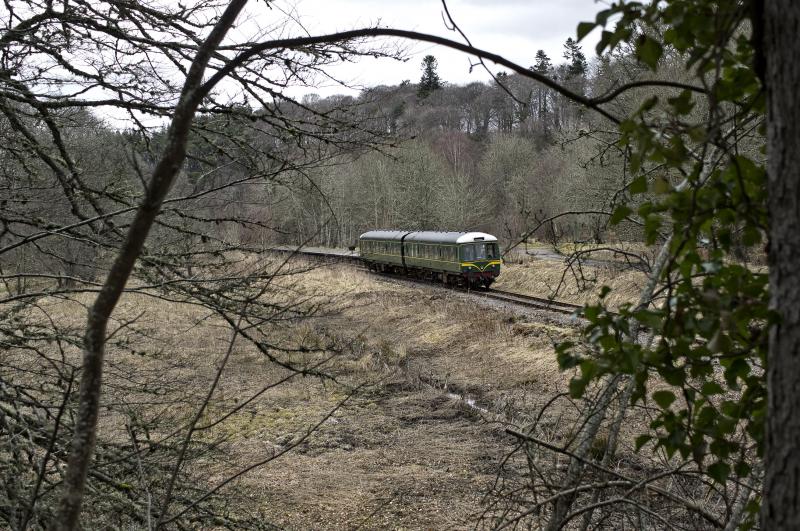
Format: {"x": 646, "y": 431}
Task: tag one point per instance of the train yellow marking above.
{"x": 476, "y": 266}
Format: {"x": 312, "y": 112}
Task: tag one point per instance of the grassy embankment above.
{"x": 404, "y": 451}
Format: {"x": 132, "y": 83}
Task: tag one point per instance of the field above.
{"x": 417, "y": 445}
{"x": 579, "y": 285}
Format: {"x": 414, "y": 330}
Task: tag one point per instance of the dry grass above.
{"x": 548, "y": 278}
{"x": 402, "y": 453}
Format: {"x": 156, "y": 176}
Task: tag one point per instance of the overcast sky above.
{"x": 515, "y": 29}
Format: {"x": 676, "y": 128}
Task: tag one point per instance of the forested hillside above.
{"x": 501, "y": 157}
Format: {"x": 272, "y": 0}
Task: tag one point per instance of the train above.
{"x": 470, "y": 259}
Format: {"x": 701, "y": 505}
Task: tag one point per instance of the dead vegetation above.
{"x": 576, "y": 284}
{"x": 399, "y": 422}
{"x": 396, "y": 442}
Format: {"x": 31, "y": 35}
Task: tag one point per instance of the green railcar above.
{"x": 471, "y": 258}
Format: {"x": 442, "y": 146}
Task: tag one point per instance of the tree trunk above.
{"x": 83, "y": 438}
{"x": 781, "y": 503}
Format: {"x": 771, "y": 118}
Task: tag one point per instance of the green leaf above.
{"x": 682, "y": 103}
{"x": 664, "y": 398}
{"x": 719, "y": 471}
{"x": 711, "y": 388}
{"x": 576, "y": 387}
{"x": 605, "y": 38}
{"x": 584, "y": 28}
{"x": 638, "y": 185}
{"x": 751, "y": 236}
{"x": 649, "y": 51}
{"x": 742, "y": 469}
{"x": 641, "y": 440}
{"x": 602, "y": 17}
{"x": 620, "y": 213}
{"x": 661, "y": 185}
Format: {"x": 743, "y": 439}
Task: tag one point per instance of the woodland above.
{"x": 671, "y": 147}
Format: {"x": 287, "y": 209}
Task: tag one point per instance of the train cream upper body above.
{"x": 471, "y": 237}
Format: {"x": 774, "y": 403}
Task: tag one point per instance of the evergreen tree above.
{"x": 543, "y": 66}
{"x": 577, "y": 64}
{"x": 543, "y": 63}
{"x": 575, "y": 77}
{"x": 430, "y": 80}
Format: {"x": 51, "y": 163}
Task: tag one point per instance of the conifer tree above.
{"x": 577, "y": 65}
{"x": 430, "y": 80}
{"x": 543, "y": 66}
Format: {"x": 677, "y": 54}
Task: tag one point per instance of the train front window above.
{"x": 480, "y": 251}
{"x": 491, "y": 250}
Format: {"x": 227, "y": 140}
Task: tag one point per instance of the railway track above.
{"x": 529, "y": 301}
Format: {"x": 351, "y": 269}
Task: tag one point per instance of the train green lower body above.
{"x": 475, "y": 273}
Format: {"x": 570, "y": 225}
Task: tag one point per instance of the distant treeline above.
{"x": 502, "y": 157}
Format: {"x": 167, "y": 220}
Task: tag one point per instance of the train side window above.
{"x": 469, "y": 253}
